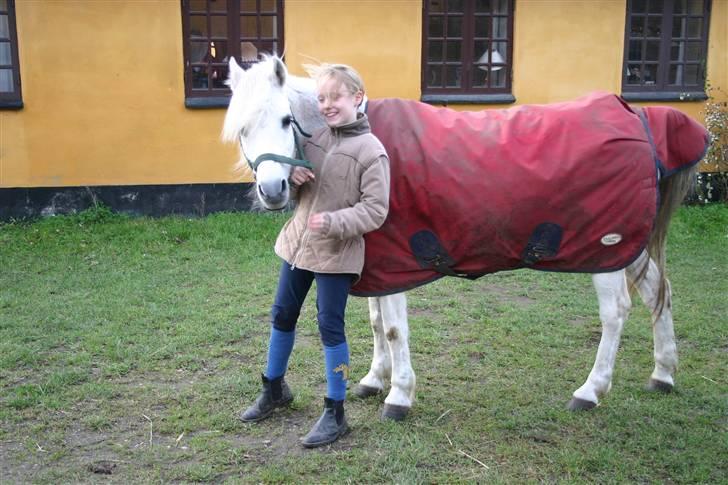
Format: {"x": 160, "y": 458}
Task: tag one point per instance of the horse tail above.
{"x": 679, "y": 143}
{"x": 672, "y": 192}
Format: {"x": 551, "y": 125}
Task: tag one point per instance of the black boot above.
{"x": 275, "y": 394}
{"x": 329, "y": 427}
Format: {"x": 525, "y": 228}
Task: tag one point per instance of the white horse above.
{"x": 265, "y": 104}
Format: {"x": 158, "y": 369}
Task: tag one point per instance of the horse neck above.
{"x": 301, "y": 93}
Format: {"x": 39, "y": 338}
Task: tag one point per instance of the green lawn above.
{"x": 129, "y": 345}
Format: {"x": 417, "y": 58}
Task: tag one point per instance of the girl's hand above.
{"x": 317, "y": 222}
{"x": 301, "y": 175}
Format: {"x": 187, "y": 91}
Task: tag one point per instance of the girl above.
{"x": 344, "y": 197}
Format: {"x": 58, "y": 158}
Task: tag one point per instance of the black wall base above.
{"x": 148, "y": 200}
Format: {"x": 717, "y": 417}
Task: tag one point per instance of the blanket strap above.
{"x": 430, "y": 254}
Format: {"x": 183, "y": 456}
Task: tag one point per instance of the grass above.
{"x": 127, "y": 346}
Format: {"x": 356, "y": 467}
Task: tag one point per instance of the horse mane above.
{"x": 246, "y": 108}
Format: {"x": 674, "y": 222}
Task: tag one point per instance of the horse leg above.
{"x": 381, "y": 369}
{"x": 614, "y": 305}
{"x": 396, "y": 330}
{"x": 665, "y": 349}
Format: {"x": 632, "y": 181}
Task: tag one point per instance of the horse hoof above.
{"x": 364, "y": 392}
{"x": 395, "y": 412}
{"x": 661, "y": 386}
{"x": 577, "y": 404}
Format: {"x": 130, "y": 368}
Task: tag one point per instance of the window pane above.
{"x": 268, "y": 6}
{"x": 269, "y": 47}
{"x": 649, "y": 73}
{"x": 4, "y": 5}
{"x": 6, "y": 81}
{"x": 434, "y": 76}
{"x": 695, "y": 7}
{"x": 481, "y": 26}
{"x": 500, "y": 52}
{"x": 198, "y": 51}
{"x": 218, "y": 5}
{"x": 694, "y": 51}
{"x": 676, "y": 74}
{"x": 500, "y": 7}
{"x": 695, "y": 27}
{"x": 639, "y": 6}
{"x": 678, "y": 26}
{"x": 498, "y": 78}
{"x": 268, "y": 26}
{"x": 5, "y": 54}
{"x": 652, "y": 52}
{"x": 455, "y": 26}
{"x": 248, "y": 52}
{"x": 198, "y": 5}
{"x": 677, "y": 51}
{"x": 635, "y": 74}
{"x": 436, "y": 6}
{"x": 500, "y": 27}
{"x": 436, "y": 28}
{"x": 480, "y": 51}
{"x": 218, "y": 75}
{"x": 248, "y": 6}
{"x": 691, "y": 74}
{"x": 480, "y": 76}
{"x": 4, "y": 29}
{"x": 199, "y": 77}
{"x": 218, "y": 26}
{"x": 654, "y": 26}
{"x": 635, "y": 50}
{"x": 218, "y": 51}
{"x": 198, "y": 26}
{"x": 455, "y": 6}
{"x": 482, "y": 6}
{"x": 679, "y": 7}
{"x": 655, "y": 6}
{"x": 248, "y": 26}
{"x": 434, "y": 51}
{"x": 637, "y": 26}
{"x": 454, "y": 49}
{"x": 452, "y": 76}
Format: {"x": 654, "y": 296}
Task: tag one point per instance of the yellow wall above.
{"x": 103, "y": 84}
{"x": 103, "y": 91}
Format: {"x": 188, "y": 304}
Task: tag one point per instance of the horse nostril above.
{"x": 284, "y": 184}
{"x": 260, "y": 190}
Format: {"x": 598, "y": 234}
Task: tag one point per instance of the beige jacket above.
{"x": 351, "y": 188}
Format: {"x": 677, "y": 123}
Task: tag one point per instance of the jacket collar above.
{"x": 358, "y": 127}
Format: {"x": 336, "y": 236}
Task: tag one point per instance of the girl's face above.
{"x": 336, "y": 103}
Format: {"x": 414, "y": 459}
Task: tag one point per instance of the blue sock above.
{"x": 279, "y": 349}
{"x": 337, "y": 371}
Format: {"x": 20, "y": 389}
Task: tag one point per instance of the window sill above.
{"x": 11, "y": 104}
{"x": 664, "y": 96}
{"x": 468, "y": 98}
{"x": 207, "y": 103}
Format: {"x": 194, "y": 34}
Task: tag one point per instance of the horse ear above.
{"x": 279, "y": 69}
{"x": 235, "y": 73}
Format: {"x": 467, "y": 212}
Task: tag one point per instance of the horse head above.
{"x": 259, "y": 118}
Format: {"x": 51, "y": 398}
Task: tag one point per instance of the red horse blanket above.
{"x": 560, "y": 187}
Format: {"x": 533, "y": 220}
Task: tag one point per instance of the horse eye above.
{"x": 286, "y": 122}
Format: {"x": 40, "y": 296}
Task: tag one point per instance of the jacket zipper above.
{"x": 306, "y": 232}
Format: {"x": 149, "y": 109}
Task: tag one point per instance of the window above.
{"x": 214, "y": 31}
{"x": 665, "y": 49}
{"x": 467, "y": 47}
{"x": 10, "y": 96}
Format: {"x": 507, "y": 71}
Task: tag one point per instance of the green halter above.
{"x": 274, "y": 157}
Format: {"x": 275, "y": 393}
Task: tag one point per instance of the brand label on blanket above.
{"x": 611, "y": 239}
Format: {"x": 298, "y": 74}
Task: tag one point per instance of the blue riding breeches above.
{"x": 332, "y": 292}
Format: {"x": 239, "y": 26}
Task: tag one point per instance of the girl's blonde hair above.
{"x": 346, "y": 75}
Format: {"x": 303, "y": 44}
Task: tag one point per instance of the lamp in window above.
{"x": 496, "y": 58}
